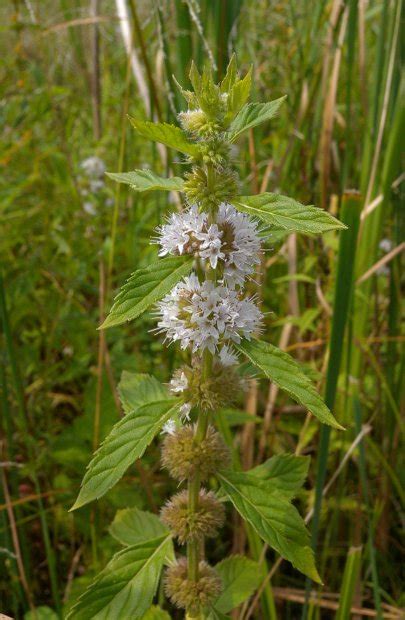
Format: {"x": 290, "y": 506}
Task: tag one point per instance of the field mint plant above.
{"x": 196, "y": 289}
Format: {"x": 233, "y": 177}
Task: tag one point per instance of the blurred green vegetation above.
{"x": 69, "y": 239}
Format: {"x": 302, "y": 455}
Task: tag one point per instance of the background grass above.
{"x": 67, "y": 243}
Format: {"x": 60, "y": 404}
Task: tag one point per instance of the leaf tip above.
{"x": 76, "y": 505}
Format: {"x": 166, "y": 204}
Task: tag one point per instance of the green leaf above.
{"x": 214, "y": 614}
{"x": 253, "y": 114}
{"x": 145, "y": 287}
{"x": 285, "y": 473}
{"x": 273, "y": 517}
{"x": 146, "y": 180}
{"x": 240, "y": 578}
{"x": 234, "y": 417}
{"x": 238, "y": 95}
{"x": 287, "y": 374}
{"x": 126, "y": 586}
{"x": 230, "y": 76}
{"x": 125, "y": 444}
{"x": 137, "y": 389}
{"x": 40, "y": 613}
{"x": 167, "y": 134}
{"x": 156, "y": 613}
{"x": 132, "y": 526}
{"x": 283, "y": 212}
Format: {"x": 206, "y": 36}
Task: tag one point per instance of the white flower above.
{"x": 178, "y": 383}
{"x": 93, "y": 167}
{"x": 232, "y": 242}
{"x": 89, "y": 208}
{"x": 385, "y": 245}
{"x": 96, "y": 185}
{"x": 178, "y": 236}
{"x": 243, "y": 248}
{"x": 169, "y": 427}
{"x": 185, "y": 412}
{"x": 227, "y": 356}
{"x": 204, "y": 316}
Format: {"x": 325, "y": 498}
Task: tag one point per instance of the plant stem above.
{"x": 193, "y": 547}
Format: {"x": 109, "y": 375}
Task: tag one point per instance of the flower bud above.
{"x": 223, "y": 187}
{"x": 188, "y": 594}
{"x": 183, "y": 457}
{"x": 196, "y": 122}
{"x": 193, "y": 525}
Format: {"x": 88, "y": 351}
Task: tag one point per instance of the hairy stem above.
{"x": 193, "y": 547}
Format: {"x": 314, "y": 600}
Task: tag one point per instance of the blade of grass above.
{"x": 366, "y": 497}
{"x": 350, "y": 215}
{"x": 95, "y": 73}
{"x": 140, "y": 38}
{"x": 184, "y": 41}
{"x": 349, "y": 581}
{"x": 175, "y": 100}
{"x": 117, "y": 192}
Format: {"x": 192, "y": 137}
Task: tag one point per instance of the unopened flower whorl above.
{"x": 188, "y": 594}
{"x": 223, "y": 188}
{"x": 183, "y": 457}
{"x": 188, "y": 525}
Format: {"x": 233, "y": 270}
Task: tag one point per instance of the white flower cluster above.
{"x": 93, "y": 167}
{"x": 177, "y": 385}
{"x": 92, "y": 185}
{"x": 205, "y": 316}
{"x": 232, "y": 240}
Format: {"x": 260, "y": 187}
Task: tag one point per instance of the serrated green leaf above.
{"x": 131, "y": 526}
{"x": 283, "y": 212}
{"x": 230, "y": 75}
{"x": 273, "y": 517}
{"x": 187, "y": 94}
{"x": 238, "y": 95}
{"x": 287, "y": 374}
{"x": 234, "y": 417}
{"x": 195, "y": 78}
{"x": 125, "y": 444}
{"x": 145, "y": 287}
{"x": 240, "y": 578}
{"x": 253, "y": 114}
{"x": 285, "y": 473}
{"x": 156, "y": 613}
{"x": 146, "y": 180}
{"x": 137, "y": 389}
{"x": 126, "y": 586}
{"x": 167, "y": 134}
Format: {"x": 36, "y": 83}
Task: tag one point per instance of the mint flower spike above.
{"x": 207, "y": 254}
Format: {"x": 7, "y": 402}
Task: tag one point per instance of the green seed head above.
{"x": 188, "y": 594}
{"x": 183, "y": 457}
{"x": 221, "y": 389}
{"x": 187, "y": 525}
